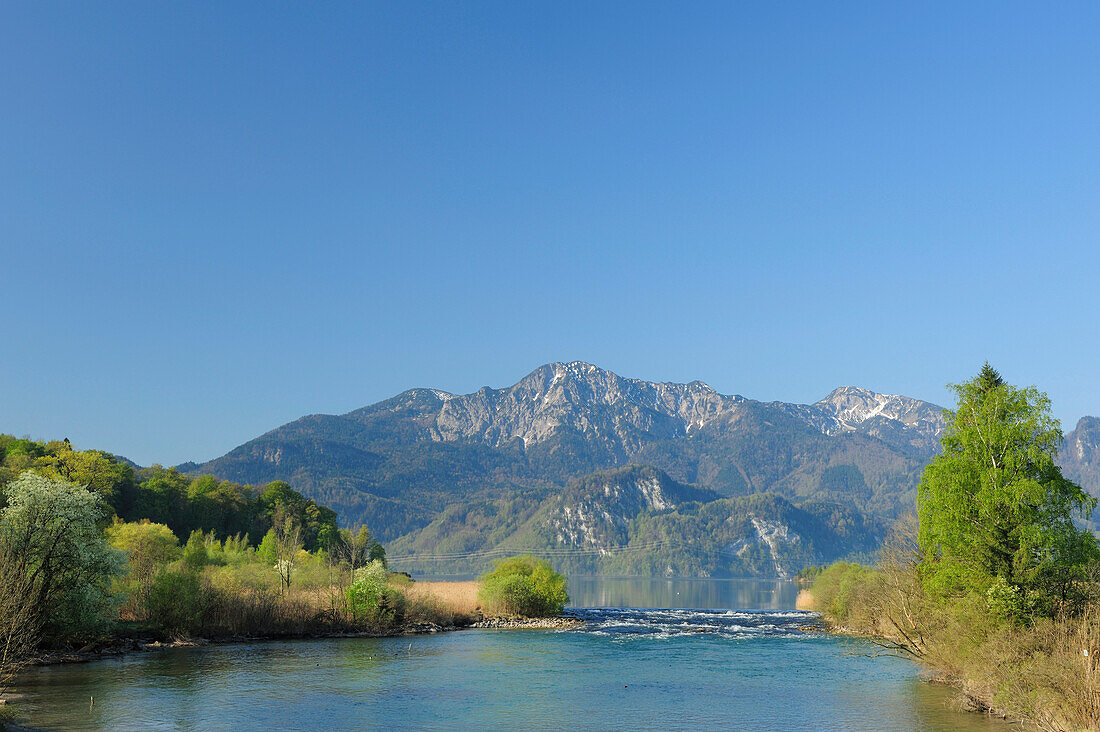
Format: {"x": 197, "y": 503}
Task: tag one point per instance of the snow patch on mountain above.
{"x": 624, "y": 414}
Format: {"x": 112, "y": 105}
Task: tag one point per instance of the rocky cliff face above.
{"x": 627, "y": 413}
{"x": 903, "y": 422}
{"x": 1080, "y": 459}
{"x": 595, "y": 513}
{"x": 576, "y": 397}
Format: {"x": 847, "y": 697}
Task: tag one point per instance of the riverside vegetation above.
{"x": 96, "y": 554}
{"x": 991, "y": 584}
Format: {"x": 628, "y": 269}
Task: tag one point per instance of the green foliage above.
{"x": 809, "y": 573}
{"x": 50, "y": 528}
{"x": 1006, "y": 602}
{"x": 842, "y": 589}
{"x": 267, "y": 552}
{"x": 63, "y": 559}
{"x": 176, "y": 601}
{"x": 994, "y": 507}
{"x": 370, "y": 598}
{"x": 98, "y": 471}
{"x": 145, "y": 541}
{"x": 166, "y": 496}
{"x": 524, "y": 586}
{"x": 195, "y": 555}
{"x": 147, "y": 545}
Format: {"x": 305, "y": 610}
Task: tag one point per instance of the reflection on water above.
{"x": 623, "y": 669}
{"x": 726, "y": 594}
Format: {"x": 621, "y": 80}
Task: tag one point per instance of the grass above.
{"x": 456, "y": 598}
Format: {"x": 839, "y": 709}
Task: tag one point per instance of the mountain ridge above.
{"x": 487, "y": 463}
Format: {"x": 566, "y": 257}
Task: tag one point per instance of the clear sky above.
{"x": 217, "y": 217}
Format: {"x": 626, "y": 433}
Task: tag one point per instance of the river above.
{"x": 652, "y": 654}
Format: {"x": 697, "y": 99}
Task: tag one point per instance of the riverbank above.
{"x": 116, "y": 647}
{"x": 561, "y": 622}
{"x": 1045, "y": 674}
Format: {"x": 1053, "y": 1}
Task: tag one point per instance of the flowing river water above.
{"x": 651, "y": 654}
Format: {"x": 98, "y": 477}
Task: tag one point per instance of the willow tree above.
{"x": 996, "y": 513}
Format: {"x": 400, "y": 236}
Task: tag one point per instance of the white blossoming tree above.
{"x": 50, "y": 535}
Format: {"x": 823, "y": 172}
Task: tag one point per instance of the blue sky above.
{"x": 218, "y": 217}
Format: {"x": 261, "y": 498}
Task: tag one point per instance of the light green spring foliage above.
{"x": 996, "y": 514}
{"x": 148, "y": 546}
{"x": 370, "y": 598}
{"x": 50, "y": 526}
{"x": 359, "y": 547}
{"x": 267, "y": 551}
{"x": 842, "y": 590}
{"x": 195, "y": 555}
{"x": 524, "y": 586}
{"x": 144, "y": 541}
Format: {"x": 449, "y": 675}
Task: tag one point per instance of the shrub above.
{"x": 842, "y": 593}
{"x": 524, "y": 586}
{"x": 175, "y": 602}
{"x": 370, "y": 598}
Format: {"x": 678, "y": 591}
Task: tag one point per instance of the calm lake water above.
{"x": 652, "y": 654}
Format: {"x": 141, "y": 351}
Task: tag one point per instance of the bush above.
{"x": 842, "y": 593}
{"x": 524, "y": 586}
{"x": 370, "y": 598}
{"x": 175, "y": 602}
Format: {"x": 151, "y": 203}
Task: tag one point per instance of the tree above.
{"x": 147, "y": 546}
{"x": 18, "y": 619}
{"x": 195, "y": 556}
{"x": 359, "y": 548}
{"x": 162, "y": 497}
{"x": 996, "y": 514}
{"x": 287, "y": 543}
{"x": 49, "y": 528}
{"x": 98, "y": 471}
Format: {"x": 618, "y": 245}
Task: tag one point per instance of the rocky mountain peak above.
{"x": 850, "y": 407}
{"x": 621, "y": 412}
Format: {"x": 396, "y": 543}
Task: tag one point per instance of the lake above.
{"x": 652, "y": 654}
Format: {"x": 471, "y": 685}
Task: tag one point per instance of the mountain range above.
{"x": 608, "y": 474}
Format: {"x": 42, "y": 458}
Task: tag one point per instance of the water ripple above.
{"x": 662, "y": 624}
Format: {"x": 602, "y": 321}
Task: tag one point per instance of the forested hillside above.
{"x": 165, "y": 496}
